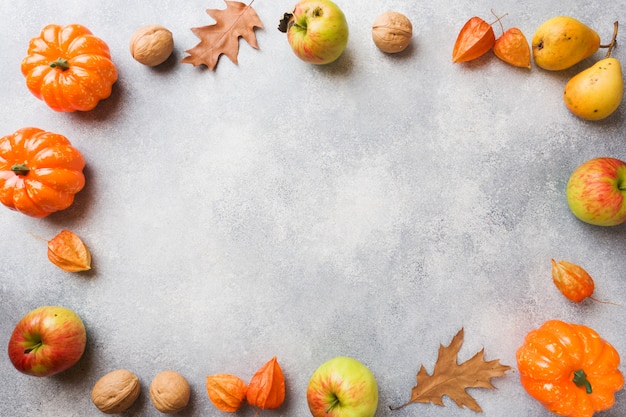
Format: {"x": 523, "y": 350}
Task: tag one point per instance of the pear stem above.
{"x": 613, "y": 41}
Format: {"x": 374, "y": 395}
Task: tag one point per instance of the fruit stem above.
{"x": 20, "y": 169}
{"x": 603, "y": 302}
{"x": 333, "y": 404}
{"x": 580, "y": 379}
{"x": 60, "y": 63}
{"x": 613, "y": 41}
{"x": 499, "y": 19}
{"x": 30, "y": 349}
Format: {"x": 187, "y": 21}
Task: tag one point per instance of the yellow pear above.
{"x": 596, "y": 92}
{"x": 562, "y": 41}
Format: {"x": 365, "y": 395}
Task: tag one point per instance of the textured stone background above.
{"x": 368, "y": 208}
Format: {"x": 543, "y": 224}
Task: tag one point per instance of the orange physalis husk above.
{"x": 475, "y": 39}
{"x": 267, "y": 387}
{"x": 226, "y": 391}
{"x": 572, "y": 280}
{"x": 512, "y": 48}
{"x": 68, "y": 252}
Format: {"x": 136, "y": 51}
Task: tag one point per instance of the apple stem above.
{"x": 613, "y": 41}
{"x": 37, "y": 346}
{"x": 332, "y": 405}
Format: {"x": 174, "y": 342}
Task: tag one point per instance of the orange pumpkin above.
{"x": 569, "y": 369}
{"x": 40, "y": 172}
{"x": 69, "y": 68}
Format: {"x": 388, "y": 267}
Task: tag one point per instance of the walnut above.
{"x": 169, "y": 392}
{"x": 116, "y": 391}
{"x": 151, "y": 45}
{"x": 392, "y": 32}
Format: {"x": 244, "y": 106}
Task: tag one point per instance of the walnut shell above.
{"x": 392, "y": 32}
{"x": 116, "y": 391}
{"x": 151, "y": 45}
{"x": 169, "y": 392}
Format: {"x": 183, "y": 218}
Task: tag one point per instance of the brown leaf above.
{"x": 451, "y": 379}
{"x": 237, "y": 20}
{"x": 68, "y": 252}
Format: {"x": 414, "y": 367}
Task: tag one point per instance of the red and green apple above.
{"x": 46, "y": 341}
{"x": 596, "y": 191}
{"x": 342, "y": 387}
{"x": 317, "y": 31}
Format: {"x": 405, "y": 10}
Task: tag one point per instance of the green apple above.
{"x": 46, "y": 341}
{"x": 342, "y": 387}
{"x": 317, "y": 31}
{"x": 596, "y": 191}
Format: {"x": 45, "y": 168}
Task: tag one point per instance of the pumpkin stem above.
{"x": 20, "y": 169}
{"x": 580, "y": 379}
{"x": 60, "y": 63}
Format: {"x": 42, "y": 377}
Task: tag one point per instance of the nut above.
{"x": 151, "y": 45}
{"x": 116, "y": 391}
{"x": 392, "y": 32}
{"x": 169, "y": 392}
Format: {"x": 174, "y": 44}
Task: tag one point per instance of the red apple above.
{"x": 317, "y": 31}
{"x": 596, "y": 192}
{"x": 46, "y": 341}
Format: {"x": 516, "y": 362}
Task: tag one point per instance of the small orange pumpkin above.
{"x": 569, "y": 369}
{"x": 40, "y": 172}
{"x": 69, "y": 68}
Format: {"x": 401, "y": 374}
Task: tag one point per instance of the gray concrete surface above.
{"x": 369, "y": 208}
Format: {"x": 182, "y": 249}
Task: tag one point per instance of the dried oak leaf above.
{"x": 451, "y": 379}
{"x": 237, "y": 20}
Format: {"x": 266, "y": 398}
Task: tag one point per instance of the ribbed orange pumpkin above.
{"x": 69, "y": 68}
{"x": 40, "y": 172}
{"x": 569, "y": 369}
